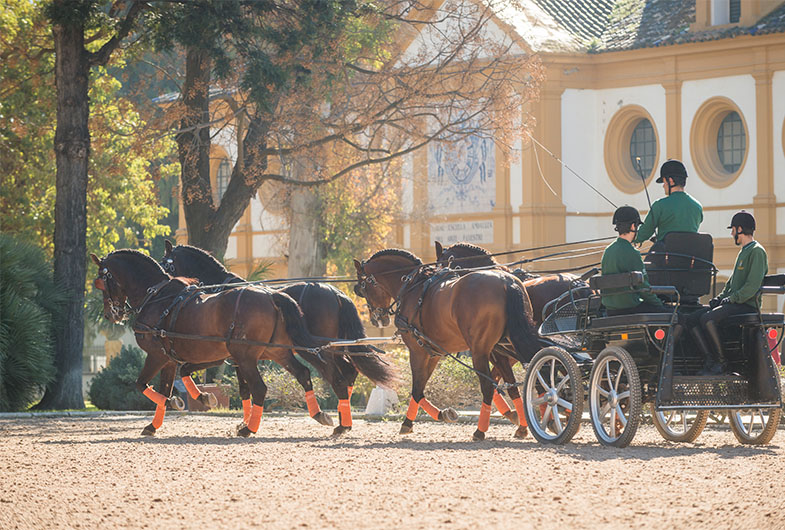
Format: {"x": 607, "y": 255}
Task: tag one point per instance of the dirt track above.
{"x": 99, "y": 472}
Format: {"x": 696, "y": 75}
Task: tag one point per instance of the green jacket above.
{"x": 621, "y": 256}
{"x": 678, "y": 212}
{"x": 747, "y": 276}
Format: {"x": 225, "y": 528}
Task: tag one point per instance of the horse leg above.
{"x": 342, "y": 375}
{"x": 303, "y": 376}
{"x": 505, "y": 369}
{"x": 207, "y": 399}
{"x": 498, "y": 400}
{"x": 246, "y": 365}
{"x": 245, "y": 394}
{"x": 152, "y": 365}
{"x": 481, "y": 366}
{"x": 422, "y": 366}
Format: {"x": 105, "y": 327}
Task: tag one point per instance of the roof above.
{"x": 597, "y": 26}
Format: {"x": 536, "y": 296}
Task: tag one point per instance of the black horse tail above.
{"x": 370, "y": 365}
{"x": 520, "y": 327}
{"x": 295, "y": 321}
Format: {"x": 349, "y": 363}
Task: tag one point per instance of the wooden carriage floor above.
{"x": 98, "y": 472}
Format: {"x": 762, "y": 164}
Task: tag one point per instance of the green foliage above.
{"x": 28, "y": 303}
{"x": 114, "y": 387}
{"x": 123, "y": 207}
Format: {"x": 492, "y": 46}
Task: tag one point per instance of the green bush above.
{"x": 114, "y": 387}
{"x": 29, "y": 300}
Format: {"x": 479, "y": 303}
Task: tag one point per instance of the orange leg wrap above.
{"x": 485, "y": 418}
{"x": 432, "y": 411}
{"x": 155, "y": 397}
{"x": 246, "y": 410}
{"x": 501, "y": 403}
{"x": 518, "y": 402}
{"x": 345, "y": 410}
{"x": 190, "y": 386}
{"x": 313, "y": 406}
{"x": 411, "y": 412}
{"x": 158, "y": 419}
{"x": 255, "y": 419}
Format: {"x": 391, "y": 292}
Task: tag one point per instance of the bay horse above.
{"x": 438, "y": 313}
{"x": 328, "y": 313}
{"x": 540, "y": 289}
{"x": 177, "y": 323}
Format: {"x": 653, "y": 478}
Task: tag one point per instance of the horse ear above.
{"x": 439, "y": 250}
{"x": 358, "y": 266}
{"x": 168, "y": 246}
{"x": 95, "y": 259}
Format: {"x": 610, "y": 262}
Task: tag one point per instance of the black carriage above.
{"x": 619, "y": 363}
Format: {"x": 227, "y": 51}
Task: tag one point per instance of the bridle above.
{"x": 365, "y": 279}
{"x": 122, "y": 310}
{"x": 168, "y": 265}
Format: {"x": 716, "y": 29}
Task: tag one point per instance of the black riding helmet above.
{"x": 744, "y": 220}
{"x": 626, "y": 215}
{"x": 675, "y": 169}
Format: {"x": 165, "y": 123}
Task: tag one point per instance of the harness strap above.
{"x": 234, "y": 318}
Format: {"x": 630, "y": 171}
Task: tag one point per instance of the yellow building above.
{"x": 702, "y": 81}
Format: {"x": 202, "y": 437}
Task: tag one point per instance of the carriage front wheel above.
{"x": 680, "y": 425}
{"x": 553, "y": 393}
{"x": 754, "y": 426}
{"x": 615, "y": 399}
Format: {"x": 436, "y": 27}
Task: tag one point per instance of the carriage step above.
{"x": 706, "y": 391}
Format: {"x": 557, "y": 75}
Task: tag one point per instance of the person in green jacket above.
{"x": 678, "y": 211}
{"x": 620, "y": 256}
{"x": 740, "y": 295}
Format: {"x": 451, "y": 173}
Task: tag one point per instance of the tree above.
{"x": 73, "y": 21}
{"x": 346, "y": 85}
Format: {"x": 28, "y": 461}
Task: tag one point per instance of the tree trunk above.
{"x": 306, "y": 250}
{"x": 72, "y": 150}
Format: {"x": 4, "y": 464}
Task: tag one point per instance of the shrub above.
{"x": 114, "y": 387}
{"x": 29, "y": 301}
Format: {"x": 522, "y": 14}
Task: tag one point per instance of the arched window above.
{"x": 643, "y": 146}
{"x": 222, "y": 179}
{"x": 731, "y": 142}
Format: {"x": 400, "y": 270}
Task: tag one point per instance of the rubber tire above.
{"x": 575, "y": 392}
{"x": 688, "y": 436}
{"x": 615, "y": 353}
{"x": 769, "y": 430}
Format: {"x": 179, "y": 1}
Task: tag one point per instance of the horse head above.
{"x": 379, "y": 279}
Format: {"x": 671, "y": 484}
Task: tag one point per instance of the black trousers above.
{"x": 718, "y": 314}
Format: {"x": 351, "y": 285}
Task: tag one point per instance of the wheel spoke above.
{"x": 544, "y": 419}
{"x": 557, "y": 420}
{"x": 622, "y": 417}
{"x": 604, "y": 410}
{"x": 669, "y": 418}
{"x": 553, "y": 372}
{"x": 762, "y": 420}
{"x": 602, "y": 391}
{"x": 539, "y": 400}
{"x": 612, "y": 426}
{"x": 684, "y": 420}
{"x": 562, "y": 382}
{"x": 542, "y": 381}
{"x": 624, "y": 395}
{"x": 608, "y": 373}
{"x": 752, "y": 421}
{"x": 618, "y": 377}
{"x": 566, "y": 405}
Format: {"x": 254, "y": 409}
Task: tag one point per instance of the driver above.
{"x": 620, "y": 256}
{"x": 740, "y": 295}
{"x": 678, "y": 211}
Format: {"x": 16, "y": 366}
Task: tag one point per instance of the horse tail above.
{"x": 520, "y": 327}
{"x": 294, "y": 320}
{"x": 370, "y": 365}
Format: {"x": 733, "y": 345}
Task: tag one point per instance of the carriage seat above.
{"x": 684, "y": 260}
{"x": 621, "y": 281}
{"x": 752, "y": 319}
{"x": 646, "y": 319}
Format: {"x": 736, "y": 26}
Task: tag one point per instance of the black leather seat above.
{"x": 752, "y": 319}
{"x": 684, "y": 260}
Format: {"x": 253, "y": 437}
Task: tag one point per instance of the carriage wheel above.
{"x": 754, "y": 426}
{"x": 680, "y": 425}
{"x": 615, "y": 401}
{"x": 553, "y": 396}
{"x": 718, "y": 416}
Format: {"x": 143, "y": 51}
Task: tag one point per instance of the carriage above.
{"x": 619, "y": 363}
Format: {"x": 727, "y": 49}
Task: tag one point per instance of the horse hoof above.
{"x": 521, "y": 432}
{"x": 208, "y": 400}
{"x": 324, "y": 419}
{"x": 406, "y": 429}
{"x": 478, "y": 436}
{"x": 339, "y": 431}
{"x": 244, "y": 431}
{"x": 448, "y": 415}
{"x": 513, "y": 417}
{"x": 149, "y": 430}
{"x": 177, "y": 403}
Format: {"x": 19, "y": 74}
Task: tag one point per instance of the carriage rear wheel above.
{"x": 754, "y": 426}
{"x": 553, "y": 396}
{"x": 680, "y": 425}
{"x": 615, "y": 399}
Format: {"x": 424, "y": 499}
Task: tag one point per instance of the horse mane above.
{"x": 397, "y": 252}
{"x": 136, "y": 255}
{"x": 471, "y": 248}
{"x": 205, "y": 258}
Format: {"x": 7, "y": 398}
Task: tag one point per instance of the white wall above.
{"x": 741, "y": 90}
{"x": 778, "y": 121}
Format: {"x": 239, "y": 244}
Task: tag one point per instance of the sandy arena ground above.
{"x": 98, "y": 472}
